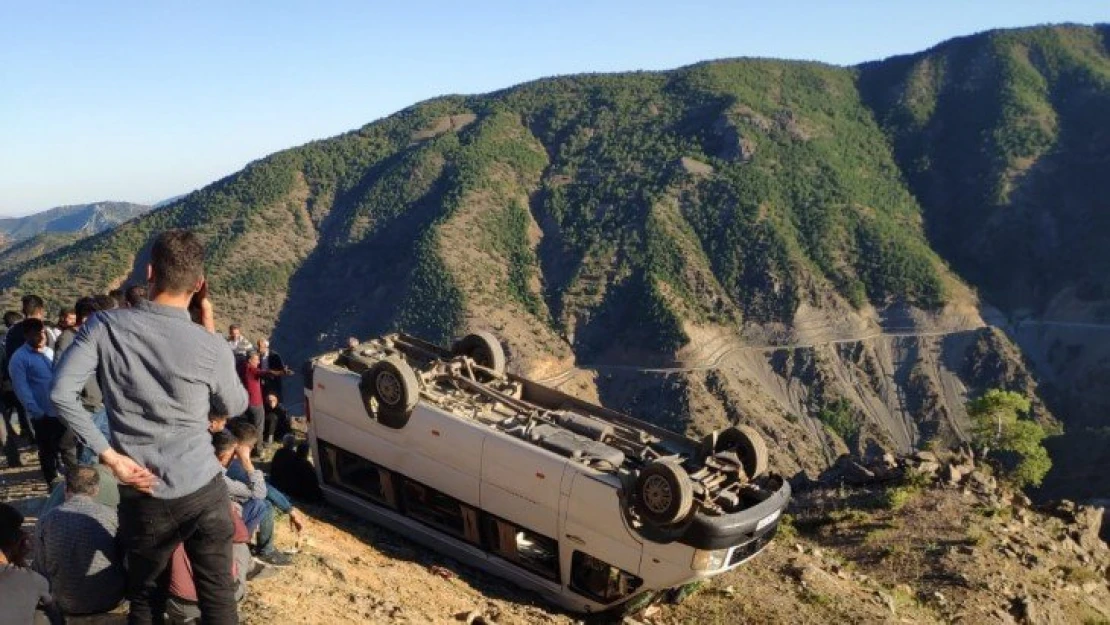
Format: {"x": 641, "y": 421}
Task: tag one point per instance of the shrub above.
{"x": 1003, "y": 430}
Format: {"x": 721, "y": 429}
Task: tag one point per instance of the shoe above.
{"x": 261, "y": 570}
{"x": 275, "y": 558}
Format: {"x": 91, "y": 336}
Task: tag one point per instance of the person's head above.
{"x": 243, "y": 431}
{"x": 216, "y": 422}
{"x": 234, "y": 332}
{"x": 13, "y": 542}
{"x": 11, "y": 318}
{"x": 224, "y": 444}
{"x": 289, "y": 441}
{"x": 33, "y": 306}
{"x": 271, "y": 400}
{"x": 84, "y": 308}
{"x": 118, "y": 298}
{"x": 302, "y": 450}
{"x": 105, "y": 302}
{"x": 263, "y": 345}
{"x": 253, "y": 358}
{"x": 134, "y": 294}
{"x": 82, "y": 480}
{"x": 34, "y": 332}
{"x": 67, "y": 318}
{"x": 176, "y": 264}
{"x": 352, "y": 342}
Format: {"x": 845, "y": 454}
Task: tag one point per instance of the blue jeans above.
{"x": 258, "y": 515}
{"x": 100, "y": 420}
{"x": 236, "y": 472}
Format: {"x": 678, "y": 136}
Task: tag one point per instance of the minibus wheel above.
{"x": 664, "y": 493}
{"x": 392, "y": 384}
{"x": 748, "y": 445}
{"x": 484, "y": 348}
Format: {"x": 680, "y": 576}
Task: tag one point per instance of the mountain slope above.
{"x": 747, "y": 229}
{"x": 83, "y": 219}
{"x": 1003, "y": 137}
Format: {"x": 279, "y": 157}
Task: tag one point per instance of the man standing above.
{"x": 9, "y": 404}
{"x": 33, "y": 308}
{"x": 75, "y": 548}
{"x": 91, "y": 397}
{"x": 256, "y": 410}
{"x": 237, "y": 342}
{"x": 159, "y": 372}
{"x": 31, "y": 368}
{"x": 271, "y": 361}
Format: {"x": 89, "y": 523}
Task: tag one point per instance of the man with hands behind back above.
{"x": 159, "y": 373}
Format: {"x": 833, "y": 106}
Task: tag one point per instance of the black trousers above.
{"x": 54, "y": 443}
{"x": 150, "y": 529}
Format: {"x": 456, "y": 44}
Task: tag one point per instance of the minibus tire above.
{"x": 664, "y": 493}
{"x": 484, "y": 348}
{"x": 749, "y": 445}
{"x": 392, "y": 384}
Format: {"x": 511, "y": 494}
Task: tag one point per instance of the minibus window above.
{"x": 523, "y": 547}
{"x": 600, "y": 581}
{"x": 434, "y": 508}
{"x": 352, "y": 473}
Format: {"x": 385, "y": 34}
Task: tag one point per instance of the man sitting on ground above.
{"x": 77, "y": 551}
{"x": 23, "y": 590}
{"x": 258, "y": 511}
{"x": 278, "y": 423}
{"x": 291, "y": 471}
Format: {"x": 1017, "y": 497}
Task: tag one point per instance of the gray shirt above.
{"x": 76, "y": 549}
{"x": 159, "y": 373}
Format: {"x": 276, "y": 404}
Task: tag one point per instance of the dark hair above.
{"x": 83, "y": 481}
{"x": 117, "y": 295}
{"x": 106, "y": 302}
{"x": 135, "y": 294}
{"x": 302, "y": 450}
{"x": 177, "y": 260}
{"x": 11, "y": 318}
{"x": 222, "y": 441}
{"x": 233, "y": 326}
{"x": 32, "y": 304}
{"x": 11, "y": 527}
{"x": 85, "y": 307}
{"x": 216, "y": 408}
{"x": 32, "y": 327}
{"x": 243, "y": 431}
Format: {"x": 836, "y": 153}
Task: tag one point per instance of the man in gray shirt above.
{"x": 76, "y": 548}
{"x": 159, "y": 372}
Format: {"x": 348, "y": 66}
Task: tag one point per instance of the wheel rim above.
{"x": 389, "y": 388}
{"x": 657, "y": 494}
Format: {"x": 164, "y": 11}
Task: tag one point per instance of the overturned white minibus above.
{"x": 589, "y": 507}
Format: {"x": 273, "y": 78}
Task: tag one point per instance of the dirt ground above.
{"x": 942, "y": 555}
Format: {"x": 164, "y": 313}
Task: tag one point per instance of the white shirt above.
{"x": 22, "y": 590}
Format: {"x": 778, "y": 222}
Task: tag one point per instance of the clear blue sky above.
{"x": 144, "y": 100}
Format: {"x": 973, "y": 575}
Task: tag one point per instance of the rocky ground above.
{"x": 920, "y": 539}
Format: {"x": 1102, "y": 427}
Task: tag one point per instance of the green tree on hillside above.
{"x": 1004, "y": 432}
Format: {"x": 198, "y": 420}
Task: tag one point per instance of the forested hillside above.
{"x": 675, "y": 219}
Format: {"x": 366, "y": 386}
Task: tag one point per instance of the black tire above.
{"x": 392, "y": 385}
{"x": 484, "y": 348}
{"x": 664, "y": 493}
{"x": 749, "y": 445}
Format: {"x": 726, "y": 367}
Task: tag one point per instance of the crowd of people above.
{"x": 148, "y": 426}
